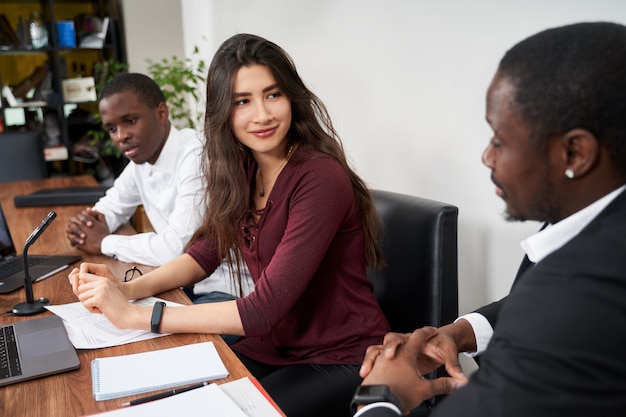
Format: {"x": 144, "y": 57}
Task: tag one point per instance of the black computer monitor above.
{"x": 22, "y": 156}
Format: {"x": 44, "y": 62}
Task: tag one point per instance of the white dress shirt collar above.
{"x": 554, "y": 236}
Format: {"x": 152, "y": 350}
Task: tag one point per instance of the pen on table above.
{"x": 164, "y": 394}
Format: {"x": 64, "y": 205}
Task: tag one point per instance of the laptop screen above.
{"x": 6, "y": 244}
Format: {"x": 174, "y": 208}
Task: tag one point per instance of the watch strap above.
{"x": 386, "y": 396}
{"x": 157, "y": 314}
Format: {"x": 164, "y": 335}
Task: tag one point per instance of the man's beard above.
{"x": 544, "y": 209}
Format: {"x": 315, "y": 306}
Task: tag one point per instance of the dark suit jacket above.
{"x": 559, "y": 340}
{"x": 491, "y": 311}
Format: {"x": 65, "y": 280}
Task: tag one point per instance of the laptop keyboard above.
{"x": 9, "y": 358}
{"x": 14, "y": 265}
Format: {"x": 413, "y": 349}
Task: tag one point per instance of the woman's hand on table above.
{"x": 100, "y": 292}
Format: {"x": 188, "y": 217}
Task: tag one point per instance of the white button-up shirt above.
{"x": 171, "y": 192}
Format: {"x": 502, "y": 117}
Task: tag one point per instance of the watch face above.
{"x": 373, "y": 391}
{"x": 367, "y": 394}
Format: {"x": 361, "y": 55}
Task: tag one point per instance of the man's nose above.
{"x": 487, "y": 156}
{"x": 119, "y": 136}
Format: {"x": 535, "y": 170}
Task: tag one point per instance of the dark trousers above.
{"x": 308, "y": 390}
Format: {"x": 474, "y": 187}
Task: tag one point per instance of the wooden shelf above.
{"x": 16, "y": 63}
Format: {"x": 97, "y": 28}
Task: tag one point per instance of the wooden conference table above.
{"x": 70, "y": 393}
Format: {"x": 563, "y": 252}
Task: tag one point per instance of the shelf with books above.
{"x": 48, "y": 75}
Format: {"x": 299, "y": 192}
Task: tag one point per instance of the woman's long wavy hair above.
{"x": 227, "y": 186}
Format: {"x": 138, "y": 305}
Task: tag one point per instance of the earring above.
{"x": 569, "y": 173}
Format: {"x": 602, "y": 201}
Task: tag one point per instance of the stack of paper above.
{"x": 241, "y": 398}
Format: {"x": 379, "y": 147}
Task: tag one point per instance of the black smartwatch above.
{"x": 157, "y": 313}
{"x": 368, "y": 394}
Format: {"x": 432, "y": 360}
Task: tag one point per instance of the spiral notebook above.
{"x": 119, "y": 376}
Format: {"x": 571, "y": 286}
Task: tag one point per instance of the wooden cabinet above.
{"x": 48, "y": 86}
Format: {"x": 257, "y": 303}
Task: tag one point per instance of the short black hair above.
{"x": 140, "y": 85}
{"x": 572, "y": 77}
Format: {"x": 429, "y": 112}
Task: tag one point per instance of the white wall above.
{"x": 154, "y": 30}
{"x": 405, "y": 82}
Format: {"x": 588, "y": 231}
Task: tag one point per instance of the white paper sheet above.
{"x": 239, "y": 398}
{"x": 88, "y": 330}
{"x": 205, "y": 401}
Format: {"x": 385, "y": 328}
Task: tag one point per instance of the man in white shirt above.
{"x": 163, "y": 175}
{"x": 553, "y": 346}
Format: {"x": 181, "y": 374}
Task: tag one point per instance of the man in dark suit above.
{"x": 555, "y": 345}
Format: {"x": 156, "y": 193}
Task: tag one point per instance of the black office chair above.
{"x": 22, "y": 156}
{"x": 419, "y": 285}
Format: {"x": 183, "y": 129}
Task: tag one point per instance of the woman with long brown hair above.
{"x": 281, "y": 197}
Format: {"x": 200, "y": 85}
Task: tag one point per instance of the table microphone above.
{"x": 31, "y": 306}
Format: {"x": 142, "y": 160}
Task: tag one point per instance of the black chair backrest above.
{"x": 22, "y": 156}
{"x": 419, "y": 285}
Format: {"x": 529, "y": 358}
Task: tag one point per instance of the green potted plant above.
{"x": 182, "y": 83}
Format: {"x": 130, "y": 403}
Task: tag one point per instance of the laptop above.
{"x": 12, "y": 266}
{"x": 35, "y": 348}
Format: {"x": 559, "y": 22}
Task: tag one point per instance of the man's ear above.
{"x": 163, "y": 112}
{"x": 582, "y": 151}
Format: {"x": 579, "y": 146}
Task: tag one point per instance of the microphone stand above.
{"x": 32, "y": 306}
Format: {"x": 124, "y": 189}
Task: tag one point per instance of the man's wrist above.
{"x": 481, "y": 330}
{"x": 462, "y": 334}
